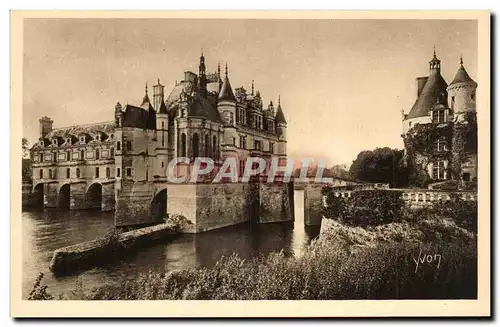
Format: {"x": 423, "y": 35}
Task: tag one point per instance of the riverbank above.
{"x": 384, "y": 262}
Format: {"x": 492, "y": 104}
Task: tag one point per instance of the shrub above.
{"x": 364, "y": 208}
{"x": 39, "y": 291}
{"x": 463, "y": 212}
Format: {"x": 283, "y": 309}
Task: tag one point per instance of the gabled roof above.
{"x": 434, "y": 89}
{"x": 138, "y": 117}
{"x": 461, "y": 76}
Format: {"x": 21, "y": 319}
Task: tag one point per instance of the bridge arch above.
{"x": 159, "y": 205}
{"x": 63, "y": 197}
{"x": 94, "y": 195}
{"x": 38, "y": 195}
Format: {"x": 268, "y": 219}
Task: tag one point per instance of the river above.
{"x": 47, "y": 230}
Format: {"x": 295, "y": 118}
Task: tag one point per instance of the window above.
{"x": 112, "y": 152}
{"x": 82, "y": 154}
{"x": 257, "y": 145}
{"x": 97, "y": 154}
{"x": 214, "y": 146}
{"x": 129, "y": 172}
{"x": 50, "y": 173}
{"x": 473, "y": 96}
{"x": 54, "y": 141}
{"x": 68, "y": 156}
{"x": 243, "y": 142}
{"x": 82, "y": 139}
{"x": 96, "y": 172}
{"x": 118, "y": 146}
{"x": 452, "y": 102}
{"x": 242, "y": 166}
{"x": 441, "y": 116}
{"x": 108, "y": 172}
{"x": 97, "y": 138}
{"x": 234, "y": 141}
{"x": 117, "y": 172}
{"x": 466, "y": 177}
{"x": 183, "y": 145}
{"x": 207, "y": 146}
{"x": 196, "y": 145}
{"x": 77, "y": 172}
{"x": 129, "y": 146}
{"x": 231, "y": 118}
{"x": 112, "y": 136}
{"x": 438, "y": 170}
{"x": 162, "y": 125}
{"x": 67, "y": 173}
{"x": 162, "y": 164}
{"x": 41, "y": 173}
{"x": 54, "y": 156}
{"x": 441, "y": 145}
{"x": 271, "y": 147}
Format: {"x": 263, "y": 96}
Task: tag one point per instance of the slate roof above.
{"x": 280, "y": 117}
{"x": 104, "y": 127}
{"x": 434, "y": 87}
{"x": 139, "y": 118}
{"x": 461, "y": 76}
{"x": 226, "y": 91}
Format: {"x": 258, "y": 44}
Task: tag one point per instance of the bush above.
{"x": 364, "y": 208}
{"x": 39, "y": 291}
{"x": 463, "y": 212}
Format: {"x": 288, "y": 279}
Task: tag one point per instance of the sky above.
{"x": 343, "y": 83}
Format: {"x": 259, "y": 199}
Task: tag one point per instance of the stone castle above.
{"x": 443, "y": 119}
{"x": 121, "y": 165}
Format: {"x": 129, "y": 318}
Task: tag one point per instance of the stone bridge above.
{"x": 75, "y": 194}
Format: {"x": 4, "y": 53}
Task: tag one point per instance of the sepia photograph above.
{"x": 251, "y": 158}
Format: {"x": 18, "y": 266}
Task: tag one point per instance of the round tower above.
{"x": 160, "y": 167}
{"x": 226, "y": 105}
{"x": 281, "y": 129}
{"x": 462, "y": 94}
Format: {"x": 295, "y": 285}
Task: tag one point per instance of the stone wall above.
{"x": 133, "y": 204}
{"x": 50, "y": 195}
{"x": 276, "y": 202}
{"x": 313, "y": 204}
{"x": 77, "y": 196}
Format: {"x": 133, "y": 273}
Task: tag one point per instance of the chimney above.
{"x": 45, "y": 126}
{"x": 420, "y": 84}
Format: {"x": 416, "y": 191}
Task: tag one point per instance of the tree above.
{"x": 382, "y": 165}
{"x": 340, "y": 171}
{"x": 26, "y": 173}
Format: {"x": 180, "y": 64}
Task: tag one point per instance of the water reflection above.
{"x": 48, "y": 230}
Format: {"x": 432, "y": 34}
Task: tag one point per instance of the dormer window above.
{"x": 98, "y": 138}
{"x": 68, "y": 141}
{"x": 41, "y": 143}
{"x": 54, "y": 141}
{"x": 82, "y": 139}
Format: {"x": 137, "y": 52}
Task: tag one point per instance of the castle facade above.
{"x": 121, "y": 164}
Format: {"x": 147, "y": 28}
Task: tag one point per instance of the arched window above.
{"x": 196, "y": 145}
{"x": 118, "y": 146}
{"x": 207, "y": 145}
{"x": 41, "y": 173}
{"x": 77, "y": 172}
{"x": 214, "y": 147}
{"x": 108, "y": 172}
{"x": 162, "y": 164}
{"x": 183, "y": 145}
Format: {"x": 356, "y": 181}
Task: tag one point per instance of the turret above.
{"x": 462, "y": 93}
{"x": 45, "y": 126}
{"x": 158, "y": 95}
{"x": 226, "y": 105}
{"x": 434, "y": 64}
{"x": 202, "y": 76}
{"x": 281, "y": 129}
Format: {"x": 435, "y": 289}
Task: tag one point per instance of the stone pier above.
{"x": 313, "y": 204}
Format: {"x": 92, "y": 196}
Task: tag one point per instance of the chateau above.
{"x": 121, "y": 165}
{"x": 440, "y": 131}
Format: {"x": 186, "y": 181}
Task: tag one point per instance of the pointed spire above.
{"x": 279, "y": 100}
{"x": 146, "y": 87}
{"x": 218, "y": 68}
{"x": 252, "y": 86}
{"x": 434, "y": 52}
{"x": 461, "y": 60}
{"x": 145, "y": 100}
{"x": 280, "y": 117}
{"x": 158, "y": 81}
{"x": 226, "y": 68}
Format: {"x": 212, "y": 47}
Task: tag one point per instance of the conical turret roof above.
{"x": 461, "y": 75}
{"x": 280, "y": 116}
{"x": 226, "y": 91}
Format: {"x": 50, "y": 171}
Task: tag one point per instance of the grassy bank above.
{"x": 344, "y": 263}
